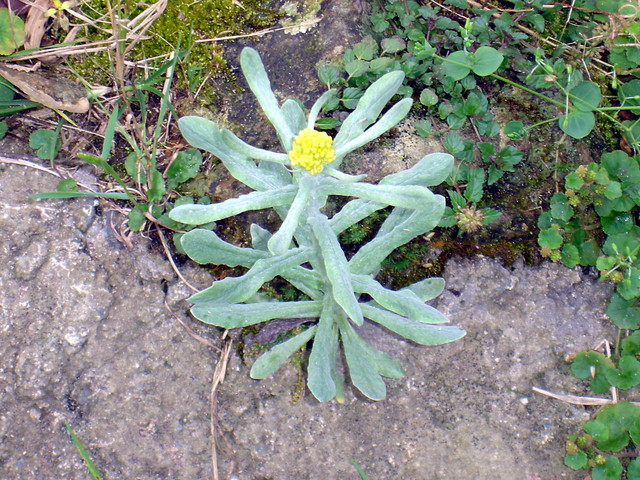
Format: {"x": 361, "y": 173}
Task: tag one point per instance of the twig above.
{"x": 575, "y": 400}
{"x": 194, "y": 335}
{"x": 218, "y": 379}
{"x": 170, "y": 258}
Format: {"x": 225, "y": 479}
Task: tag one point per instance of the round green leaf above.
{"x": 586, "y": 96}
{"x": 11, "y": 32}
{"x": 428, "y": 97}
{"x": 609, "y": 470}
{"x": 577, "y": 124}
{"x": 457, "y": 65}
{"x": 486, "y": 61}
{"x": 550, "y": 238}
{"x": 576, "y": 461}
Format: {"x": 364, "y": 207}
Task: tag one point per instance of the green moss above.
{"x": 182, "y": 20}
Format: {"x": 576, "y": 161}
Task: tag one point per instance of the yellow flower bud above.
{"x": 312, "y": 150}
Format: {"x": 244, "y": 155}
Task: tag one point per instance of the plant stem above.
{"x": 528, "y": 90}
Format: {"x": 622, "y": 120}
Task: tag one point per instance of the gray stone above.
{"x": 84, "y": 336}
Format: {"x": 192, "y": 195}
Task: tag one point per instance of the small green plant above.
{"x": 616, "y": 427}
{"x": 305, "y": 249}
{"x": 594, "y": 223}
{"x": 95, "y": 474}
{"x": 147, "y": 184}
{"x": 12, "y": 32}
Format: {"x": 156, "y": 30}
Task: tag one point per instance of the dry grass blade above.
{"x": 167, "y": 252}
{"x": 576, "y": 400}
{"x": 218, "y": 379}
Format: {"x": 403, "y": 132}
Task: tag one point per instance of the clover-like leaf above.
{"x": 627, "y": 374}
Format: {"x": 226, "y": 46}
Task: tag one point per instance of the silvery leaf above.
{"x": 204, "y": 246}
{"x": 427, "y": 289}
{"x": 317, "y": 106}
{"x": 405, "y": 196}
{"x": 294, "y": 115}
{"x": 269, "y": 362}
{"x": 389, "y": 120}
{"x": 204, "y": 134}
{"x": 336, "y": 267}
{"x": 371, "y": 255}
{"x": 247, "y": 150}
{"x": 259, "y": 83}
{"x": 281, "y": 240}
{"x": 259, "y": 237}
{"x": 432, "y": 169}
{"x": 196, "y": 214}
{"x": 369, "y": 107}
{"x": 383, "y": 363}
{"x": 240, "y": 315}
{"x": 323, "y": 356}
{"x": 364, "y": 375}
{"x": 421, "y": 333}
{"x": 403, "y": 302}
{"x": 240, "y": 289}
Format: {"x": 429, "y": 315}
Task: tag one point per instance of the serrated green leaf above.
{"x": 46, "y": 143}
{"x": 550, "y": 237}
{"x": 611, "y": 469}
{"x": 135, "y": 220}
{"x": 428, "y": 97}
{"x": 627, "y": 374}
{"x": 184, "y": 167}
{"x": 633, "y": 469}
{"x": 576, "y": 461}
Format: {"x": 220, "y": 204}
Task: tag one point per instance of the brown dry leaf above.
{"x": 50, "y": 90}
{"x": 34, "y": 25}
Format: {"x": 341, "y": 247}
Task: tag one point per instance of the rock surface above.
{"x": 84, "y": 336}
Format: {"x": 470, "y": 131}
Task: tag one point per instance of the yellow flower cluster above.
{"x": 312, "y": 150}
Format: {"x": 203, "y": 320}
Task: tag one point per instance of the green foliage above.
{"x": 615, "y": 427}
{"x": 305, "y": 250}
{"x": 12, "y": 32}
{"x": 46, "y": 143}
{"x": 147, "y": 188}
{"x": 607, "y": 194}
{"x": 95, "y": 474}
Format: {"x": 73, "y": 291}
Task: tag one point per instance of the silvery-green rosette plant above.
{"x": 305, "y": 249}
